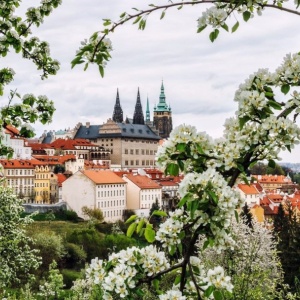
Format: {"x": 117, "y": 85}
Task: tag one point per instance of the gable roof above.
{"x": 103, "y": 176}
{"x": 143, "y": 181}
{"x": 248, "y": 189}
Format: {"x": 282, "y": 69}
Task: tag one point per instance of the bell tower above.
{"x": 162, "y": 115}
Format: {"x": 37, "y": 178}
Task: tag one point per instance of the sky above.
{"x": 200, "y": 77}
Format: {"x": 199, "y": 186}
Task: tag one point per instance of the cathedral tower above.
{"x": 118, "y": 112}
{"x": 162, "y": 115}
{"x": 138, "y": 116}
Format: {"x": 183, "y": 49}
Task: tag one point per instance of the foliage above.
{"x": 70, "y": 276}
{"x": 51, "y": 248}
{"x": 17, "y": 260}
{"x": 252, "y": 262}
{"x": 95, "y": 215}
{"x": 89, "y": 239}
{"x": 16, "y": 35}
{"x": 75, "y": 256}
{"x": 263, "y": 169}
{"x": 247, "y": 216}
{"x": 287, "y": 231}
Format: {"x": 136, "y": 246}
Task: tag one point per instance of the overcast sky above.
{"x": 200, "y": 77}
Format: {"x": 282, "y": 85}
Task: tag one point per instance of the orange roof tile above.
{"x": 103, "y": 177}
{"x": 17, "y": 163}
{"x": 248, "y": 189}
{"x": 71, "y": 144}
{"x": 143, "y": 182}
{"x": 280, "y": 179}
{"x": 55, "y": 159}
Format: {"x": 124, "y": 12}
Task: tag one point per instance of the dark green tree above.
{"x": 287, "y": 231}
{"x": 154, "y": 219}
{"x": 247, "y": 216}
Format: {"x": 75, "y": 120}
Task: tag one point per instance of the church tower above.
{"x": 138, "y": 116}
{"x": 118, "y": 112}
{"x": 148, "y": 121}
{"x": 162, "y": 115}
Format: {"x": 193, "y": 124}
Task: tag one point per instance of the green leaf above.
{"x": 208, "y": 291}
{"x": 162, "y": 15}
{"x": 155, "y": 284}
{"x": 131, "y": 219}
{"x": 159, "y": 213}
{"x": 246, "y": 15}
{"x": 101, "y": 70}
{"x": 285, "y": 88}
{"x": 140, "y": 226}
{"x": 213, "y": 196}
{"x": 213, "y": 35}
{"x": 86, "y": 66}
{"x": 235, "y": 27}
{"x": 131, "y": 229}
{"x": 181, "y": 147}
{"x": 186, "y": 197}
{"x": 272, "y": 163}
{"x": 172, "y": 250}
{"x": 173, "y": 169}
{"x": 218, "y": 295}
{"x": 236, "y": 214}
{"x": 275, "y": 104}
{"x": 137, "y": 20}
{"x": 225, "y": 27}
{"x": 243, "y": 121}
{"x": 177, "y": 280}
{"x": 149, "y": 234}
{"x": 201, "y": 28}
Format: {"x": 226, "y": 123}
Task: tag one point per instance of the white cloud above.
{"x": 200, "y": 77}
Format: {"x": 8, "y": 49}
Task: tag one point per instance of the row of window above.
{"x": 41, "y": 184}
{"x": 104, "y": 186}
{"x": 142, "y": 141}
{"x": 111, "y": 193}
{"x": 111, "y": 203}
{"x": 137, "y": 163}
{"x": 113, "y": 213}
{"x": 140, "y": 151}
{"x": 151, "y": 197}
{"x": 20, "y": 172}
{"x": 20, "y": 181}
{"x": 42, "y": 176}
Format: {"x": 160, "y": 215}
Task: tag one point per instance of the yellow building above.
{"x": 42, "y": 183}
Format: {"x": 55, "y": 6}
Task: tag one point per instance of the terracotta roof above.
{"x": 153, "y": 171}
{"x": 60, "y": 178}
{"x": 280, "y": 179}
{"x": 9, "y": 129}
{"x": 248, "y": 189}
{"x": 55, "y": 159}
{"x": 275, "y": 197}
{"x": 265, "y": 201}
{"x": 17, "y": 164}
{"x": 102, "y": 177}
{"x": 269, "y": 211}
{"x": 143, "y": 182}
{"x": 91, "y": 165}
{"x": 167, "y": 183}
{"x": 258, "y": 187}
{"x": 38, "y": 146}
{"x": 71, "y": 144}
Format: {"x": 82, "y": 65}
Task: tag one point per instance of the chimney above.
{"x": 88, "y": 124}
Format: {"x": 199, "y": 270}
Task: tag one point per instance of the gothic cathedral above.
{"x": 162, "y": 118}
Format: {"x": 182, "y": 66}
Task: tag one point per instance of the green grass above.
{"x": 59, "y": 227}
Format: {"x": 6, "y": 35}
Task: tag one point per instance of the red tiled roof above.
{"x": 143, "y": 182}
{"x": 71, "y": 144}
{"x": 248, "y": 189}
{"x": 60, "y": 178}
{"x": 55, "y": 159}
{"x": 13, "y": 131}
{"x": 275, "y": 197}
{"x": 103, "y": 177}
{"x": 280, "y": 179}
{"x": 17, "y": 163}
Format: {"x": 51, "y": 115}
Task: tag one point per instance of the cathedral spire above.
{"x": 147, "y": 112}
{"x": 138, "y": 116}
{"x": 118, "y": 112}
{"x": 162, "y": 97}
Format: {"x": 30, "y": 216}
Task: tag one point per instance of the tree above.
{"x": 247, "y": 216}
{"x": 287, "y": 232}
{"x": 154, "y": 219}
{"x": 263, "y": 125}
{"x": 252, "y": 262}
{"x": 95, "y": 215}
{"x": 17, "y": 261}
{"x": 16, "y": 35}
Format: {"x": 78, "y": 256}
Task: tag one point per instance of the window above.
{"x": 131, "y": 162}
{"x": 137, "y": 151}
{"x": 126, "y": 162}
{"x": 131, "y": 151}
{"x": 137, "y": 162}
